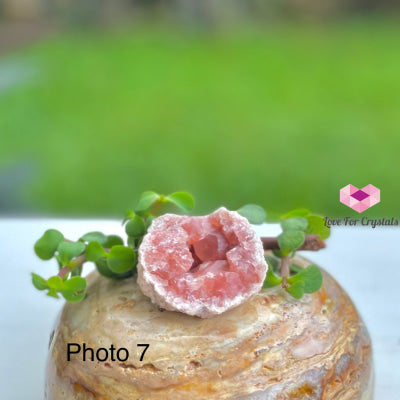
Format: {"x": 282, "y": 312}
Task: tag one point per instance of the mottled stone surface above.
{"x": 272, "y": 347}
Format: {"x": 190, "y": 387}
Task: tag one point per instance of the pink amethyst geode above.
{"x": 201, "y": 266}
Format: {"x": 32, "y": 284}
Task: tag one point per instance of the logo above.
{"x": 360, "y": 199}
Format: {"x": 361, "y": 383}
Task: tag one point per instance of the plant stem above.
{"x": 312, "y": 243}
{"x": 285, "y": 270}
{"x": 77, "y": 263}
{"x": 64, "y": 271}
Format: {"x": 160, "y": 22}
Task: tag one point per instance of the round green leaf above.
{"x": 121, "y": 259}
{"x": 128, "y": 215}
{"x": 297, "y": 289}
{"x": 53, "y": 293}
{"x": 310, "y": 276}
{"x": 289, "y": 241}
{"x": 94, "y": 251}
{"x": 55, "y": 282}
{"x": 73, "y": 297}
{"x": 69, "y": 250}
{"x": 147, "y": 199}
{"x": 77, "y": 283}
{"x": 103, "y": 269}
{"x": 271, "y": 279}
{"x": 135, "y": 227}
{"x": 272, "y": 261}
{"x": 294, "y": 224}
{"x": 125, "y": 275}
{"x": 254, "y": 213}
{"x": 99, "y": 237}
{"x": 316, "y": 226}
{"x": 183, "y": 200}
{"x": 47, "y": 245}
{"x": 39, "y": 282}
{"x": 113, "y": 240}
{"x": 74, "y": 289}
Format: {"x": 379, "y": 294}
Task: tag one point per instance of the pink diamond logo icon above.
{"x": 360, "y": 199}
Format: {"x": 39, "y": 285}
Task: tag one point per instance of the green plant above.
{"x": 112, "y": 257}
{"x": 299, "y": 229}
{"x": 117, "y": 259}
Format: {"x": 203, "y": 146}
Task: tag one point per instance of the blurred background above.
{"x": 279, "y": 103}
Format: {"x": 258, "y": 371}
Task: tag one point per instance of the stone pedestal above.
{"x": 271, "y": 347}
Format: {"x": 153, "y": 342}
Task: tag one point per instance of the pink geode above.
{"x": 201, "y": 266}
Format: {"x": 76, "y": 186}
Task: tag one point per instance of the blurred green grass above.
{"x": 282, "y": 116}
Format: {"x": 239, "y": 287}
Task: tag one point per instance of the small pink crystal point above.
{"x": 212, "y": 247}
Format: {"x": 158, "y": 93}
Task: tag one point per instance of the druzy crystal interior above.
{"x": 201, "y": 265}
